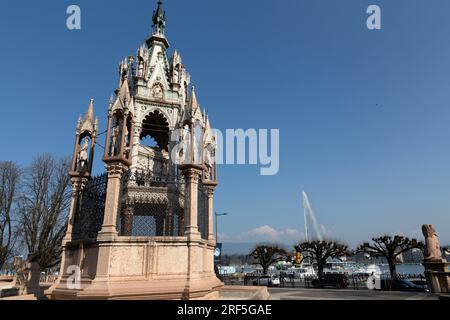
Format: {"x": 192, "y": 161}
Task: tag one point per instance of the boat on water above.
{"x": 302, "y": 272}
{"x": 227, "y": 270}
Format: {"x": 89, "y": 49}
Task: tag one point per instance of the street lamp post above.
{"x": 217, "y": 230}
{"x": 219, "y": 257}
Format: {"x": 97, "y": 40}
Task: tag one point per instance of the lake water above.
{"x": 406, "y": 269}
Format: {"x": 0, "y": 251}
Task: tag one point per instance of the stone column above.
{"x": 75, "y": 153}
{"x": 168, "y": 228}
{"x": 191, "y": 175}
{"x": 108, "y": 137}
{"x": 210, "y": 187}
{"x": 77, "y": 185}
{"x": 135, "y": 140}
{"x": 159, "y": 221}
{"x": 127, "y": 221}
{"x": 181, "y": 225}
{"x": 109, "y": 227}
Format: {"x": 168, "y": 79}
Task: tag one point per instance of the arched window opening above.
{"x": 155, "y": 131}
{"x": 149, "y": 141}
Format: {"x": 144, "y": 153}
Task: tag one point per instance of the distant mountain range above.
{"x": 242, "y": 247}
{"x": 237, "y": 248}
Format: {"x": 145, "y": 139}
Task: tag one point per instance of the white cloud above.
{"x": 292, "y": 233}
{"x": 264, "y": 231}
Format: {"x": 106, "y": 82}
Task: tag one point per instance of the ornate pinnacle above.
{"x": 159, "y": 19}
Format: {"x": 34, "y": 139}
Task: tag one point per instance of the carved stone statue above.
{"x": 157, "y": 91}
{"x": 184, "y": 145}
{"x": 175, "y": 78}
{"x": 433, "y": 251}
{"x": 141, "y": 68}
{"x": 83, "y": 155}
{"x": 114, "y": 141}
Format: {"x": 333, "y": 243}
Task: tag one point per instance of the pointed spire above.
{"x": 207, "y": 124}
{"x": 159, "y": 27}
{"x": 159, "y": 19}
{"x": 90, "y": 113}
{"x": 193, "y": 104}
{"x": 87, "y": 123}
{"x": 124, "y": 91}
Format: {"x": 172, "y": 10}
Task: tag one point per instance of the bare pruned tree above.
{"x": 390, "y": 248}
{"x": 321, "y": 251}
{"x": 9, "y": 181}
{"x": 266, "y": 255}
{"x": 43, "y": 209}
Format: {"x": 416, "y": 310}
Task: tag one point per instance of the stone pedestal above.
{"x": 438, "y": 276}
{"x": 33, "y": 279}
{"x": 155, "y": 268}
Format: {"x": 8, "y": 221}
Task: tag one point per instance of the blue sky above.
{"x": 363, "y": 115}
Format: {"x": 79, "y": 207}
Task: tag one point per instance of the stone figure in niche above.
{"x": 184, "y": 145}
{"x": 83, "y": 155}
{"x": 141, "y": 68}
{"x": 175, "y": 75}
{"x": 157, "y": 91}
{"x": 127, "y": 143}
{"x": 208, "y": 161}
{"x": 433, "y": 251}
{"x": 115, "y": 139}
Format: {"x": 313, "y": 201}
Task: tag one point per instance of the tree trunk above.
{"x": 3, "y": 254}
{"x": 265, "y": 269}
{"x": 392, "y": 268}
{"x": 320, "y": 272}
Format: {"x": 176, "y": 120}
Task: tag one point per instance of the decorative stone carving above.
{"x": 210, "y": 191}
{"x": 78, "y": 184}
{"x": 115, "y": 140}
{"x": 157, "y": 91}
{"x": 192, "y": 175}
{"x": 115, "y": 169}
{"x": 433, "y": 248}
{"x": 83, "y": 155}
{"x": 176, "y": 75}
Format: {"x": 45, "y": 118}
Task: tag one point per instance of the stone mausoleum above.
{"x": 143, "y": 229}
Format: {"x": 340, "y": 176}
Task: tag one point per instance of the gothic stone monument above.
{"x": 437, "y": 270}
{"x": 144, "y": 229}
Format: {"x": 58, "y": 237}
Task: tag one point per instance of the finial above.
{"x": 193, "y": 104}
{"x": 90, "y": 113}
{"x": 159, "y": 19}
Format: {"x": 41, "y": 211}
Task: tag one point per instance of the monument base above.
{"x": 157, "y": 268}
{"x": 140, "y": 293}
{"x": 437, "y": 274}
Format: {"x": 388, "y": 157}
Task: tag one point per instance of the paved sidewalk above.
{"x": 329, "y": 294}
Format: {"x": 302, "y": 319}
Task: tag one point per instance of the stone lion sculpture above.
{"x": 433, "y": 249}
